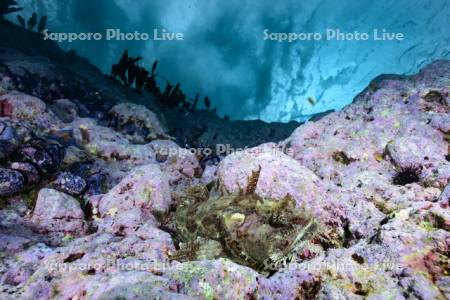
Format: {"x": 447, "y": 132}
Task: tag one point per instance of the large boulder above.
{"x": 280, "y": 175}
{"x": 58, "y": 212}
{"x": 386, "y": 130}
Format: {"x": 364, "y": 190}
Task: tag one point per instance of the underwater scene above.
{"x": 189, "y": 149}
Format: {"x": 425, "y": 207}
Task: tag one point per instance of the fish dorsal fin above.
{"x": 253, "y": 182}
{"x": 288, "y": 201}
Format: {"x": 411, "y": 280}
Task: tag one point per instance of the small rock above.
{"x": 46, "y": 155}
{"x": 8, "y": 140}
{"x": 29, "y": 170}
{"x": 137, "y": 122}
{"x": 209, "y": 174}
{"x": 444, "y": 198}
{"x": 17, "y": 275}
{"x": 70, "y": 184}
{"x": 96, "y": 184}
{"x": 12, "y": 243}
{"x": 11, "y": 182}
{"x": 20, "y": 106}
{"x": 58, "y": 212}
{"x": 65, "y": 109}
{"x": 178, "y": 162}
{"x": 106, "y": 144}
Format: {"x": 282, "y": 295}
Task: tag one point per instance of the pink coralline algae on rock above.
{"x": 280, "y": 175}
{"x": 136, "y": 122}
{"x": 179, "y": 163}
{"x": 58, "y": 212}
{"x": 141, "y": 195}
{"x": 22, "y": 107}
{"x": 215, "y": 279}
{"x": 107, "y": 144}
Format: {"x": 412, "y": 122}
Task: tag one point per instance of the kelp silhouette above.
{"x": 128, "y": 72}
{"x": 32, "y": 21}
{"x": 8, "y": 6}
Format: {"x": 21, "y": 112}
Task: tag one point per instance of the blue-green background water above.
{"x": 225, "y": 56}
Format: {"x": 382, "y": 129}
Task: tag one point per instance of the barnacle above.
{"x": 262, "y": 233}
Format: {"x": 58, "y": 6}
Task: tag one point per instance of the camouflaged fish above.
{"x": 262, "y": 233}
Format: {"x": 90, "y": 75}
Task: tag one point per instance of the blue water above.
{"x": 224, "y": 54}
